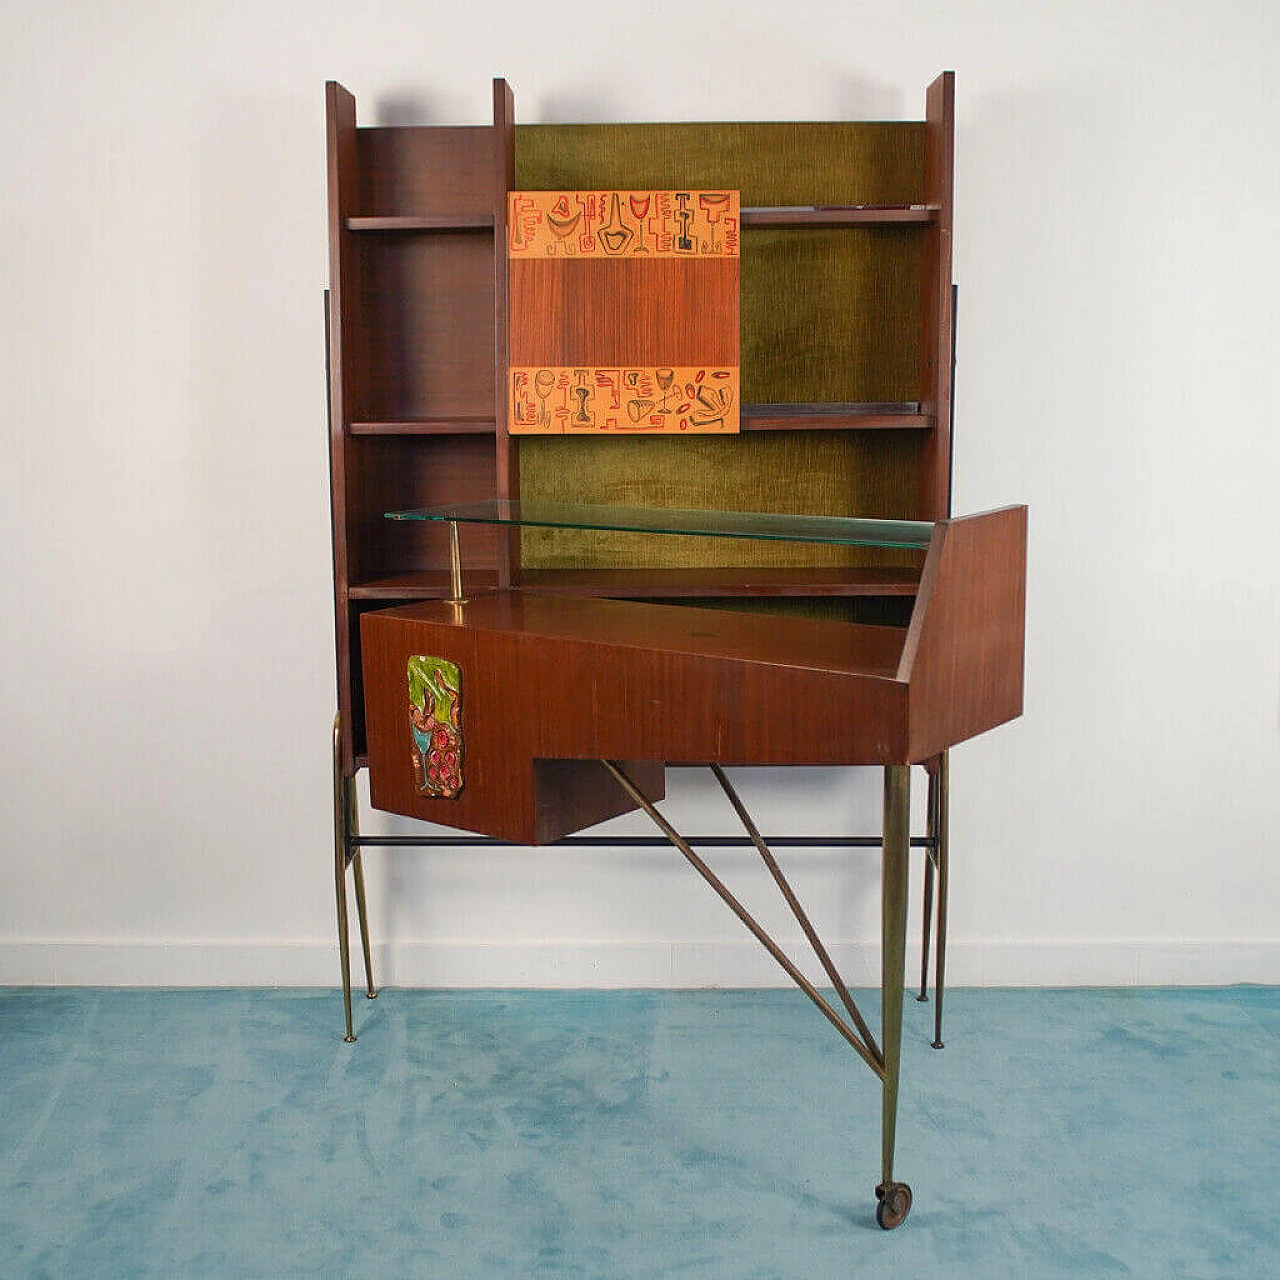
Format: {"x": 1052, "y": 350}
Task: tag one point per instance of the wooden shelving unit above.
{"x": 846, "y": 397}
{"x": 846, "y": 302}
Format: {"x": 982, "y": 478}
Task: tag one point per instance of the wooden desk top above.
{"x": 811, "y": 644}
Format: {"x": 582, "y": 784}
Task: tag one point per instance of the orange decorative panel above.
{"x": 624, "y": 312}
{"x": 623, "y": 224}
{"x": 565, "y": 400}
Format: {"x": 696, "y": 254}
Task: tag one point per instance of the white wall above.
{"x": 168, "y": 683}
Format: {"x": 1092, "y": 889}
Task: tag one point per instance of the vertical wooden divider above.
{"x": 343, "y": 326}
{"x": 507, "y": 458}
{"x": 936, "y": 312}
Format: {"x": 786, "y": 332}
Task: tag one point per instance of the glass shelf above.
{"x": 842, "y": 531}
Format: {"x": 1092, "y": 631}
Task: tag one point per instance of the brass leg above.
{"x": 926, "y": 915}
{"x": 940, "y": 851}
{"x": 894, "y": 1197}
{"x": 357, "y": 869}
{"x": 340, "y": 801}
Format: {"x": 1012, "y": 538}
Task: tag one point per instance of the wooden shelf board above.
{"x": 865, "y": 215}
{"x": 420, "y": 584}
{"x": 725, "y": 582}
{"x": 884, "y": 416}
{"x": 424, "y": 222}
{"x": 454, "y": 425}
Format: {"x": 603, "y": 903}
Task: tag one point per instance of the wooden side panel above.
{"x": 423, "y": 170}
{"x": 503, "y": 179}
{"x": 936, "y": 317}
{"x": 426, "y": 310}
{"x": 345, "y": 358}
{"x": 963, "y": 656}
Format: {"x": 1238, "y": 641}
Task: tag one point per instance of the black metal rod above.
{"x": 632, "y": 842}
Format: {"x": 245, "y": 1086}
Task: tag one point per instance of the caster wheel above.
{"x": 895, "y": 1204}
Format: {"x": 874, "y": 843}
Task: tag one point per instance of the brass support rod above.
{"x": 455, "y": 563}
{"x": 893, "y": 946}
{"x": 798, "y": 911}
{"x": 747, "y": 919}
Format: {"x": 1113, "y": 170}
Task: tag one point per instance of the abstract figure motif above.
{"x": 562, "y": 401}
{"x": 623, "y": 224}
{"x": 435, "y": 725}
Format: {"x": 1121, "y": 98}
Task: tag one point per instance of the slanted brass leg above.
{"x": 926, "y": 915}
{"x": 340, "y": 802}
{"x": 357, "y": 871}
{"x": 346, "y": 826}
{"x": 894, "y": 1197}
{"x": 940, "y": 853}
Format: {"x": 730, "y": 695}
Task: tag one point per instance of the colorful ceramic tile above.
{"x": 623, "y": 224}
{"x": 670, "y": 400}
{"x": 435, "y": 726}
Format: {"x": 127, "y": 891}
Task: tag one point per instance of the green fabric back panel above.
{"x": 826, "y": 315}
{"x": 830, "y": 473}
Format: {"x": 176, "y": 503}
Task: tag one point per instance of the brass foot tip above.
{"x": 937, "y": 1044}
{"x": 370, "y": 995}
{"x": 348, "y": 1039}
{"x": 922, "y": 998}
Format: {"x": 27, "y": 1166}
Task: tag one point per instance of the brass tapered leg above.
{"x": 340, "y": 871}
{"x": 926, "y": 915}
{"x": 357, "y": 871}
{"x": 362, "y": 915}
{"x": 940, "y": 853}
{"x": 894, "y": 1197}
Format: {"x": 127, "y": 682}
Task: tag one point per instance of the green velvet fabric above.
{"x": 835, "y": 473}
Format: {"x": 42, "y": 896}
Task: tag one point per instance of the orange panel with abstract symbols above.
{"x": 624, "y": 312}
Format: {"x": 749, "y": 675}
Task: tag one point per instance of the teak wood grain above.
{"x": 936, "y": 319}
{"x": 963, "y": 656}
{"x": 641, "y": 312}
{"x": 508, "y": 457}
{"x": 422, "y": 170}
{"x": 345, "y": 350}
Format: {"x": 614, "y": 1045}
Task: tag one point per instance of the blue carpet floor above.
{"x": 633, "y": 1135}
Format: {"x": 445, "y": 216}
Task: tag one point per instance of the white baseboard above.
{"x": 111, "y": 963}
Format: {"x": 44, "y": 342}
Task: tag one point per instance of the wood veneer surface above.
{"x": 582, "y": 680}
{"x": 788, "y": 642}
